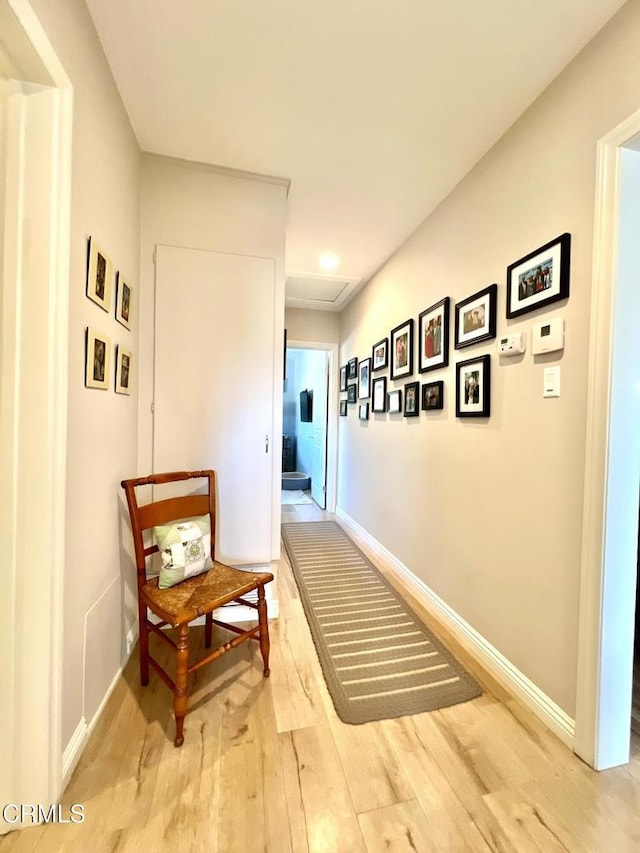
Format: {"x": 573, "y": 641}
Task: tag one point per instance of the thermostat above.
{"x": 548, "y": 336}
{"x": 512, "y": 344}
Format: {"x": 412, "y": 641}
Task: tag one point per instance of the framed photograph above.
{"x": 476, "y": 317}
{"x": 394, "y": 402}
{"x": 124, "y": 301}
{"x": 432, "y": 396}
{"x": 343, "y": 378}
{"x": 402, "y": 350}
{"x": 380, "y": 354}
{"x": 433, "y": 336}
{"x": 352, "y": 368}
{"x": 343, "y": 408}
{"x": 97, "y": 360}
{"x": 379, "y": 395}
{"x": 541, "y": 277}
{"x": 473, "y": 387}
{"x": 123, "y": 370}
{"x": 364, "y": 379}
{"x": 412, "y": 399}
{"x": 363, "y": 412}
{"x": 99, "y": 276}
{"x": 352, "y": 391}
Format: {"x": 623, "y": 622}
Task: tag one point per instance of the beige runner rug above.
{"x": 378, "y": 659}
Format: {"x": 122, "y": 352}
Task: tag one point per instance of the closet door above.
{"x": 214, "y": 395}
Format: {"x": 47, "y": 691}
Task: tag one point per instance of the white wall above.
{"x": 489, "y": 515}
{"x": 102, "y": 426}
{"x": 312, "y": 326}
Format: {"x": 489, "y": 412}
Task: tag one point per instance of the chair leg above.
{"x": 208, "y": 630}
{"x": 181, "y": 694}
{"x": 143, "y": 644}
{"x": 264, "y": 630}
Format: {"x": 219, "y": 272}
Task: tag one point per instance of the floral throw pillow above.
{"x": 185, "y": 548}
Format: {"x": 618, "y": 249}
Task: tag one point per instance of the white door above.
{"x": 213, "y": 400}
{"x": 319, "y": 456}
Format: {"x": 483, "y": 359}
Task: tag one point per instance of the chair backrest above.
{"x": 166, "y": 511}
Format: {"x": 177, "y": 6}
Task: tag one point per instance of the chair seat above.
{"x": 201, "y": 594}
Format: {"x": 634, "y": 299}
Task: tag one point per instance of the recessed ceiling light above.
{"x": 328, "y": 261}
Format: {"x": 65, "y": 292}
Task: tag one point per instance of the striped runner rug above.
{"x": 378, "y": 659}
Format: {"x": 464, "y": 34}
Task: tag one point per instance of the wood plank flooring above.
{"x": 267, "y": 766}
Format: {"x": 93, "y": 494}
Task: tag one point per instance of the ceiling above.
{"x": 374, "y": 109}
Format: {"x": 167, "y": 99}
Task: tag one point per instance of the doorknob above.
{"x": 266, "y": 444}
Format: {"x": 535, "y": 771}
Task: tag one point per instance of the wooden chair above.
{"x": 196, "y": 596}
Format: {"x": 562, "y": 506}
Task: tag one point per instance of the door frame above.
{"x": 332, "y": 416}
{"x": 609, "y": 538}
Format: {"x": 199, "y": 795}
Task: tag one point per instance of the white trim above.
{"x": 596, "y": 651}
{"x": 496, "y": 663}
{"x": 332, "y": 415}
{"x": 73, "y": 751}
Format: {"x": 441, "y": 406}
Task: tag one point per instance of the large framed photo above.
{"x": 541, "y": 277}
{"x": 364, "y": 379}
{"x": 476, "y": 317}
{"x": 379, "y": 396}
{"x": 473, "y": 387}
{"x": 123, "y": 371}
{"x": 432, "y": 396}
{"x": 380, "y": 354}
{"x": 99, "y": 276}
{"x": 411, "y": 400}
{"x": 124, "y": 301}
{"x": 97, "y": 360}
{"x": 402, "y": 350}
{"x": 352, "y": 392}
{"x": 394, "y": 402}
{"x": 343, "y": 378}
{"x": 352, "y": 368}
{"x": 433, "y": 336}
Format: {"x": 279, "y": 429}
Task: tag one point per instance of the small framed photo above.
{"x": 97, "y": 360}
{"x": 124, "y": 301}
{"x": 411, "y": 400}
{"x": 432, "y": 396}
{"x": 380, "y": 355}
{"x": 473, "y": 387}
{"x": 476, "y": 317}
{"x": 394, "y": 402}
{"x": 352, "y": 391}
{"x": 364, "y": 379}
{"x": 402, "y": 350}
{"x": 363, "y": 412}
{"x": 343, "y": 408}
{"x": 539, "y": 278}
{"x": 99, "y": 276}
{"x": 379, "y": 395}
{"x": 352, "y": 368}
{"x": 123, "y": 370}
{"x": 343, "y": 378}
{"x": 433, "y": 335}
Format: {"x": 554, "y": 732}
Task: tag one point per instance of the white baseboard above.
{"x": 73, "y": 751}
{"x": 560, "y": 723}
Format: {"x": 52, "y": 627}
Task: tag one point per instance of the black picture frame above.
{"x": 539, "y": 278}
{"x": 432, "y": 396}
{"x": 411, "y": 400}
{"x": 343, "y": 408}
{"x": 364, "y": 379}
{"x": 363, "y": 412}
{"x": 475, "y": 319}
{"x": 380, "y": 355}
{"x": 473, "y": 387}
{"x": 379, "y": 395}
{"x": 394, "y": 402}
{"x": 352, "y": 392}
{"x": 352, "y": 368}
{"x": 401, "y": 345}
{"x": 343, "y": 378}
{"x": 433, "y": 336}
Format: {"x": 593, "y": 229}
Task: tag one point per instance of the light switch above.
{"x": 551, "y": 385}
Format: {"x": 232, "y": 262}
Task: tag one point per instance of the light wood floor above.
{"x": 267, "y": 766}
